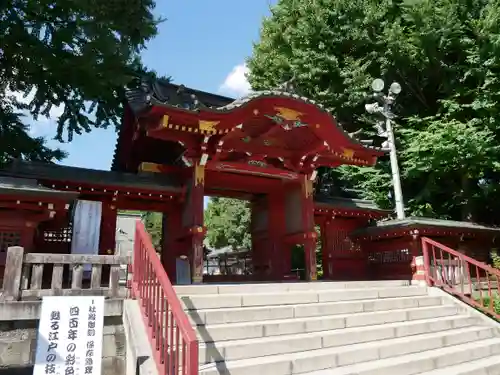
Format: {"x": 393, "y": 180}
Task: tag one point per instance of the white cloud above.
{"x": 43, "y": 125}
{"x": 236, "y": 82}
{"x": 19, "y": 96}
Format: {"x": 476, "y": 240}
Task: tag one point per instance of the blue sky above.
{"x": 202, "y": 44}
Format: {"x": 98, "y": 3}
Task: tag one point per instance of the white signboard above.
{"x": 182, "y": 267}
{"x": 70, "y": 336}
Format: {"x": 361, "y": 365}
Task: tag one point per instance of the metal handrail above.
{"x": 173, "y": 339}
{"x": 466, "y": 278}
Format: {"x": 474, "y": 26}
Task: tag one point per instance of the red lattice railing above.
{"x": 173, "y": 339}
{"x": 474, "y": 282}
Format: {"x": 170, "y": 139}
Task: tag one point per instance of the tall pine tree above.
{"x": 78, "y": 55}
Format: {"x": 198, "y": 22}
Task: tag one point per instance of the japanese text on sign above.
{"x": 70, "y": 336}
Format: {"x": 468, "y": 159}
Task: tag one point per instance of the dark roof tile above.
{"x": 30, "y": 187}
{"x": 416, "y": 222}
{"x": 348, "y": 203}
{"x": 41, "y": 171}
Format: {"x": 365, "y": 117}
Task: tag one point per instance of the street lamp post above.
{"x": 385, "y": 129}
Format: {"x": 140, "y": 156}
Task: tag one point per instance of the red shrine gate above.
{"x": 266, "y": 147}
{"x": 176, "y": 146}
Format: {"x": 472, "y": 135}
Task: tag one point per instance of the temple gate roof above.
{"x": 279, "y": 128}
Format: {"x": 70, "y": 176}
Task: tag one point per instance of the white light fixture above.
{"x": 395, "y": 88}
{"x": 377, "y": 85}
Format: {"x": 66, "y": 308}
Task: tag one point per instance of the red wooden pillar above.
{"x": 326, "y": 246}
{"x": 260, "y": 233}
{"x": 170, "y": 244}
{"x": 308, "y": 228}
{"x": 417, "y": 258}
{"x": 280, "y": 255}
{"x": 197, "y": 232}
{"x": 107, "y": 236}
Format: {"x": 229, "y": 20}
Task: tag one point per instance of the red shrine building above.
{"x": 265, "y": 148}
{"x": 177, "y": 145}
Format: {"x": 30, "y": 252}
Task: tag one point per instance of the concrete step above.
{"x": 259, "y": 313}
{"x": 246, "y": 330}
{"x": 368, "y": 359}
{"x": 484, "y": 366}
{"x": 183, "y": 290}
{"x": 218, "y": 301}
{"x": 260, "y": 347}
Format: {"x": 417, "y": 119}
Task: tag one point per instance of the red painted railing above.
{"x": 473, "y": 282}
{"x": 173, "y": 339}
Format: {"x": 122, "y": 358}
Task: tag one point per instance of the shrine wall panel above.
{"x": 342, "y": 258}
{"x": 293, "y": 211}
{"x": 259, "y": 215}
{"x": 8, "y": 237}
{"x": 391, "y": 259}
{"x": 477, "y": 250}
{"x": 349, "y": 269}
{"x": 53, "y": 240}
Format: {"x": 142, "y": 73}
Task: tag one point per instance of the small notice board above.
{"x": 70, "y": 336}
{"x": 183, "y": 271}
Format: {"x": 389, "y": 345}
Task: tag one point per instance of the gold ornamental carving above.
{"x": 164, "y": 121}
{"x": 199, "y": 174}
{"x": 348, "y": 153}
{"x": 208, "y": 126}
{"x": 149, "y": 167}
{"x": 288, "y": 114}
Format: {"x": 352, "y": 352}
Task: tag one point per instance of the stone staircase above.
{"x": 338, "y": 328}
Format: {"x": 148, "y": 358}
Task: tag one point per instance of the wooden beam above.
{"x": 105, "y": 190}
{"x": 237, "y": 168}
{"x": 189, "y": 140}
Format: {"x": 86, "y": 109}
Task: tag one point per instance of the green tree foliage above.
{"x": 445, "y": 54}
{"x": 153, "y": 222}
{"x": 228, "y": 223}
{"x": 79, "y": 55}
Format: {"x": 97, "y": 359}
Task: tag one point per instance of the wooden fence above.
{"x": 72, "y": 275}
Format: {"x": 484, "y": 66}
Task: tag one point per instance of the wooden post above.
{"x": 195, "y": 220}
{"x": 171, "y": 227}
{"x": 417, "y": 259}
{"x": 259, "y": 217}
{"x": 107, "y": 237}
{"x": 308, "y": 228}
{"x": 279, "y": 255}
{"x": 326, "y": 249}
{"x": 12, "y": 275}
